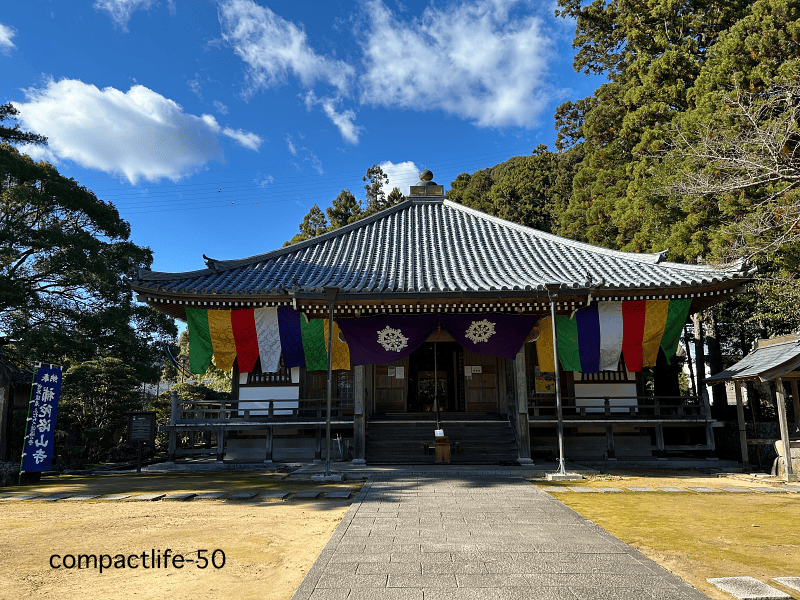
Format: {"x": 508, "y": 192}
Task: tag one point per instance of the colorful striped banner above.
{"x": 593, "y": 340}
{"x": 244, "y": 335}
{"x": 291, "y": 337}
{"x": 633, "y": 316}
{"x": 200, "y": 348}
{"x": 655, "y": 320}
{"x": 609, "y": 315}
{"x": 676, "y": 319}
{"x": 265, "y": 333}
{"x": 269, "y": 339}
{"x": 588, "y": 322}
{"x": 568, "y": 347}
{"x": 339, "y": 348}
{"x": 314, "y": 344}
{"x": 221, "y": 330}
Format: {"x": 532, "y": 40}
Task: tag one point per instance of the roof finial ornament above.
{"x": 426, "y": 186}
{"x": 210, "y": 263}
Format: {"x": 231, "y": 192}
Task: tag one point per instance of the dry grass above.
{"x": 269, "y": 546}
{"x": 699, "y": 536}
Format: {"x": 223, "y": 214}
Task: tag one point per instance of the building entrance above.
{"x": 436, "y": 367}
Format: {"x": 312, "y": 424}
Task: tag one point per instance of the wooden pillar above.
{"x": 742, "y": 424}
{"x": 6, "y": 413}
{"x": 268, "y": 446}
{"x": 173, "y": 419}
{"x": 223, "y": 416}
{"x": 318, "y": 438}
{"x": 709, "y": 428}
{"x": 660, "y": 452}
{"x": 612, "y": 453}
{"x": 796, "y": 403}
{"x": 359, "y": 416}
{"x": 220, "y": 444}
{"x": 787, "y": 449}
{"x": 521, "y": 393}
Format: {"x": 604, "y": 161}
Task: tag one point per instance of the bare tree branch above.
{"x": 752, "y": 148}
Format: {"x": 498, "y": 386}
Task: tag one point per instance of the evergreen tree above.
{"x": 14, "y": 135}
{"x": 529, "y": 190}
{"x": 376, "y": 197}
{"x": 64, "y": 256}
{"x": 394, "y": 197}
{"x": 344, "y": 210}
{"x": 652, "y": 53}
{"x": 314, "y": 224}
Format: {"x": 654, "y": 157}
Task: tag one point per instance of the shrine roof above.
{"x": 770, "y": 359}
{"x": 426, "y": 246}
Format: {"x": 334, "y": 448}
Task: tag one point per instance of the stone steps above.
{"x": 470, "y": 443}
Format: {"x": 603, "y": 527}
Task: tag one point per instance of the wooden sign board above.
{"x": 142, "y": 427}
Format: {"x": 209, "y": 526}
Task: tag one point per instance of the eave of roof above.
{"x": 426, "y": 248}
{"x": 769, "y": 360}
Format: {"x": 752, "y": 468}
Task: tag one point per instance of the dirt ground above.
{"x": 699, "y": 536}
{"x": 268, "y": 546}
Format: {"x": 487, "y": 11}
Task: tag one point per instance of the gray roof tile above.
{"x": 771, "y": 359}
{"x": 429, "y": 246}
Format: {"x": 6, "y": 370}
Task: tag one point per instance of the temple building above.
{"x": 442, "y": 314}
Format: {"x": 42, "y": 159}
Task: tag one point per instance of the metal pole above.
{"x": 689, "y": 361}
{"x": 436, "y": 385}
{"x": 561, "y": 469}
{"x": 331, "y": 293}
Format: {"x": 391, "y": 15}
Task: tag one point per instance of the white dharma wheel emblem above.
{"x": 392, "y": 339}
{"x": 480, "y": 331}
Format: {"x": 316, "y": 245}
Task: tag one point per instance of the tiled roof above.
{"x": 430, "y": 246}
{"x": 771, "y": 359}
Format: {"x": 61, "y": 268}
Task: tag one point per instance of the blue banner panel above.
{"x": 37, "y": 452}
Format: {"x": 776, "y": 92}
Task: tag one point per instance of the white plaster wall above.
{"x": 620, "y": 396}
{"x": 252, "y": 398}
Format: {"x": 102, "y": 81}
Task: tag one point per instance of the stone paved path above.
{"x": 416, "y": 538}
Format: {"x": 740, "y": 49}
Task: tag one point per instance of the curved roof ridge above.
{"x": 629, "y": 268}
{"x": 641, "y": 257}
{"x": 226, "y": 265}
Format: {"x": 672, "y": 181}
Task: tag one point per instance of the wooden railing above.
{"x": 605, "y": 408}
{"x": 196, "y": 412}
{"x": 217, "y": 418}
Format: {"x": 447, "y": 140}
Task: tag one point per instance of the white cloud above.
{"x": 484, "y": 61}
{"x": 401, "y": 175}
{"x": 249, "y": 140}
{"x": 221, "y": 108}
{"x": 6, "y": 35}
{"x": 274, "y": 48}
{"x": 195, "y": 86}
{"x": 120, "y": 11}
{"x": 312, "y": 158}
{"x": 265, "y": 181}
{"x": 139, "y": 134}
{"x": 343, "y": 120}
{"x": 290, "y": 145}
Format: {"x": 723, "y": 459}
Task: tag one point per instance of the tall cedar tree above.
{"x": 64, "y": 255}
{"x": 529, "y": 190}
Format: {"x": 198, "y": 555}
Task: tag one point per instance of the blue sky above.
{"x": 215, "y": 125}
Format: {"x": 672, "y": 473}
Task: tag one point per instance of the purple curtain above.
{"x": 291, "y": 337}
{"x": 490, "y": 334}
{"x": 381, "y": 340}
